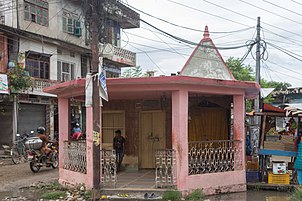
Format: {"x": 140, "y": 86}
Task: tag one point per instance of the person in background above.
{"x": 298, "y": 161}
{"x": 118, "y": 146}
{"x": 76, "y": 132}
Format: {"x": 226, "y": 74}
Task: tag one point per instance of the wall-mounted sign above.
{"x": 3, "y": 84}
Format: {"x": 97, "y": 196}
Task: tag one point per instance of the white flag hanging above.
{"x": 103, "y": 86}
{"x": 88, "y": 91}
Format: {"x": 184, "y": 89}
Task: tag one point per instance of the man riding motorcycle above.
{"x": 45, "y": 149}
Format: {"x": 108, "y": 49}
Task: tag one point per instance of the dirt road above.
{"x": 13, "y": 177}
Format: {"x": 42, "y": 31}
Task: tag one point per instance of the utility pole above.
{"x": 256, "y": 133}
{"x": 257, "y": 100}
{"x": 95, "y": 97}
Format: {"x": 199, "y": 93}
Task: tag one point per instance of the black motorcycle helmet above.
{"x": 41, "y": 130}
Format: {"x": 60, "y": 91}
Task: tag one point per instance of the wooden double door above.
{"x": 152, "y": 136}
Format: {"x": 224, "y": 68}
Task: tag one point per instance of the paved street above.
{"x": 13, "y": 177}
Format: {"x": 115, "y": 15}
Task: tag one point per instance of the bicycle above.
{"x": 18, "y": 151}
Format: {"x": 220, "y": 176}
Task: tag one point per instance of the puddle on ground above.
{"x": 253, "y": 196}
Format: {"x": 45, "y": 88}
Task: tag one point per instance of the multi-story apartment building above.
{"x": 51, "y": 40}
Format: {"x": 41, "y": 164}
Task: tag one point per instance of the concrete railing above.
{"x": 39, "y": 84}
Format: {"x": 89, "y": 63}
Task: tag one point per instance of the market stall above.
{"x": 278, "y": 131}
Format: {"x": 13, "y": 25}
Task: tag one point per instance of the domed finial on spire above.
{"x": 206, "y": 32}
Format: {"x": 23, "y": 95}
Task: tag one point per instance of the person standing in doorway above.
{"x": 298, "y": 161}
{"x": 118, "y": 146}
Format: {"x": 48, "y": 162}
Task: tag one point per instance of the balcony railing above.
{"x": 120, "y": 56}
{"x": 214, "y": 156}
{"x": 39, "y": 84}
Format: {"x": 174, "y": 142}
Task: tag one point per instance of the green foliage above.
{"x": 297, "y": 195}
{"x": 277, "y": 85}
{"x": 55, "y": 186}
{"x": 18, "y": 79}
{"x": 196, "y": 195}
{"x": 53, "y": 195}
{"x": 239, "y": 71}
{"x": 87, "y": 195}
{"x": 133, "y": 72}
{"x": 172, "y": 195}
{"x": 245, "y": 73}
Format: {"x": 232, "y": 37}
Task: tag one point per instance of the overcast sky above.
{"x": 231, "y": 23}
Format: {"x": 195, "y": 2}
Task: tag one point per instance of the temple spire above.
{"x": 206, "y": 32}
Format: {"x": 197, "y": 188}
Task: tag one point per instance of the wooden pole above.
{"x": 95, "y": 104}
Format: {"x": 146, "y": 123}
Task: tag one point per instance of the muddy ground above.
{"x": 13, "y": 177}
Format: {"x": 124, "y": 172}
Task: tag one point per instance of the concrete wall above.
{"x": 55, "y": 26}
{"x": 132, "y": 109}
{"x": 216, "y": 183}
{"x": 29, "y": 45}
{"x": 7, "y": 9}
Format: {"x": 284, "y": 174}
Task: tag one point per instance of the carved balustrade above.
{"x": 74, "y": 156}
{"x": 108, "y": 167}
{"x": 165, "y": 175}
{"x": 215, "y": 156}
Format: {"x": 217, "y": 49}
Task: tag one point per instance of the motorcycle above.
{"x": 38, "y": 158}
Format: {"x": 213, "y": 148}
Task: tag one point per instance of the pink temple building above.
{"x": 189, "y": 128}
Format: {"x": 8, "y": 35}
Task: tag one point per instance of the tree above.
{"x": 245, "y": 73}
{"x": 239, "y": 71}
{"x": 18, "y": 79}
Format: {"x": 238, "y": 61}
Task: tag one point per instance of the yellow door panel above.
{"x": 152, "y": 136}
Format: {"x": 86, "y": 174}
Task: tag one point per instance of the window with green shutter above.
{"x": 77, "y": 28}
{"x": 70, "y": 25}
{"x": 36, "y": 11}
{"x": 39, "y": 15}
{"x": 64, "y": 24}
{"x": 26, "y": 11}
{"x": 44, "y": 17}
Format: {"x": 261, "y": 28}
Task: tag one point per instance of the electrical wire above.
{"x": 289, "y": 53}
{"x": 184, "y": 27}
{"x": 168, "y": 45}
{"x": 278, "y": 6}
{"x": 208, "y": 13}
{"x": 281, "y": 36}
{"x": 190, "y": 42}
{"x": 150, "y": 59}
{"x": 271, "y": 12}
{"x": 296, "y": 2}
{"x": 288, "y": 69}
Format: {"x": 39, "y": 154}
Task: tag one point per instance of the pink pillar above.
{"x": 239, "y": 129}
{"x": 89, "y": 144}
{"x": 64, "y": 125}
{"x": 180, "y": 135}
